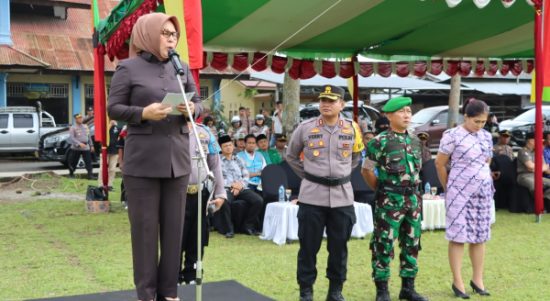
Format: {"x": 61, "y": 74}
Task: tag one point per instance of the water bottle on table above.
{"x": 427, "y": 188}
{"x": 281, "y": 194}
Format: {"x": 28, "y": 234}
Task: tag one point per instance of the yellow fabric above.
{"x": 533, "y": 86}
{"x": 175, "y": 8}
{"x": 358, "y": 145}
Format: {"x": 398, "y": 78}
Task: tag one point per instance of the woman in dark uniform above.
{"x": 156, "y": 155}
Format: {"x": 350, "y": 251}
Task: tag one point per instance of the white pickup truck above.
{"x": 22, "y": 127}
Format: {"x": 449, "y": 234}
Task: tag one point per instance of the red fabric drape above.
{"x": 366, "y": 69}
{"x": 384, "y": 69}
{"x": 480, "y": 68}
{"x": 347, "y": 69}
{"x": 436, "y": 67}
{"x": 259, "y": 62}
{"x": 193, "y": 27}
{"x": 402, "y": 69}
{"x": 539, "y": 83}
{"x": 328, "y": 69}
{"x": 307, "y": 69}
{"x": 278, "y": 64}
{"x": 420, "y": 68}
{"x": 240, "y": 61}
{"x": 219, "y": 61}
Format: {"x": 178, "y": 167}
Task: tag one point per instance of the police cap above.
{"x": 332, "y": 92}
{"x": 504, "y": 133}
{"x": 396, "y": 103}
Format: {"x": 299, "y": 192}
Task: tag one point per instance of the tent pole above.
{"x": 539, "y": 67}
{"x": 355, "y": 92}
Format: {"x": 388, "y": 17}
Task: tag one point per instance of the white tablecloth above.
{"x": 281, "y": 222}
{"x": 433, "y": 212}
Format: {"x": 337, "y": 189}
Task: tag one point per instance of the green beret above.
{"x": 396, "y": 103}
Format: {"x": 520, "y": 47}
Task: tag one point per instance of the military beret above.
{"x": 530, "y": 135}
{"x": 332, "y": 92}
{"x": 396, "y": 103}
{"x": 260, "y": 137}
{"x": 224, "y": 139}
{"x": 504, "y": 133}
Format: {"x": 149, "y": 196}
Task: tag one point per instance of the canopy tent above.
{"x": 300, "y": 36}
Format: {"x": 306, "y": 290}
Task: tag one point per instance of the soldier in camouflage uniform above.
{"x": 396, "y": 155}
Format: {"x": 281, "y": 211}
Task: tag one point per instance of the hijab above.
{"x": 146, "y": 34}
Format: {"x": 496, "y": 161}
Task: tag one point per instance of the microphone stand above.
{"x": 201, "y": 159}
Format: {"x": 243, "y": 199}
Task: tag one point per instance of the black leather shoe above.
{"x": 458, "y": 293}
{"x": 335, "y": 292}
{"x": 252, "y": 232}
{"x": 478, "y": 290}
{"x": 306, "y": 293}
{"x": 408, "y": 292}
{"x": 382, "y": 293}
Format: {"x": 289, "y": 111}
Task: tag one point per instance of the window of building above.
{"x": 204, "y": 93}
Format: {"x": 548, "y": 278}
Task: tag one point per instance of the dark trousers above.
{"x": 312, "y": 221}
{"x": 156, "y": 207}
{"x": 74, "y": 155}
{"x": 189, "y": 254}
{"x": 239, "y": 212}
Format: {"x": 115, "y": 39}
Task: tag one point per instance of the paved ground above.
{"x": 19, "y": 165}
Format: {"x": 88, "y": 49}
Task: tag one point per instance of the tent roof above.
{"x": 393, "y": 81}
{"x": 384, "y": 29}
{"x": 499, "y": 88}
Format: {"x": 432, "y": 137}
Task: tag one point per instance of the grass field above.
{"x": 54, "y": 247}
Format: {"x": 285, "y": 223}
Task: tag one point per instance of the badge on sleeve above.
{"x": 345, "y": 154}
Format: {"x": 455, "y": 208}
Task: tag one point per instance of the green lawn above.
{"x": 55, "y": 248}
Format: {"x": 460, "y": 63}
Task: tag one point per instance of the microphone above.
{"x": 175, "y": 59}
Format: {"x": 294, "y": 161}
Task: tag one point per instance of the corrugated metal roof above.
{"x": 62, "y": 44}
{"x": 10, "y": 56}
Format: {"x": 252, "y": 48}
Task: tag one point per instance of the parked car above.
{"x": 54, "y": 146}
{"x": 366, "y": 113}
{"x": 432, "y": 120}
{"x": 22, "y": 127}
{"x": 525, "y": 118}
{"x": 523, "y": 124}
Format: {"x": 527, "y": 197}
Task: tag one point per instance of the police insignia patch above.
{"x": 346, "y": 131}
{"x": 311, "y": 144}
{"x": 345, "y": 154}
{"x": 316, "y": 153}
{"x": 321, "y": 143}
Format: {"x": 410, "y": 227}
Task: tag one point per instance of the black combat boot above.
{"x": 382, "y": 293}
{"x": 306, "y": 293}
{"x": 408, "y": 292}
{"x": 335, "y": 292}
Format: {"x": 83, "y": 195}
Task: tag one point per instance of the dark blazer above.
{"x": 153, "y": 149}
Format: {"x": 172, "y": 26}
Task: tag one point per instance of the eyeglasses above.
{"x": 167, "y": 34}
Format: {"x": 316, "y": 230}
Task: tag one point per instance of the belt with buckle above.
{"x": 328, "y": 181}
{"x": 407, "y": 190}
{"x": 192, "y": 189}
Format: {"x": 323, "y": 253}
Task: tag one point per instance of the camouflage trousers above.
{"x": 398, "y": 217}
